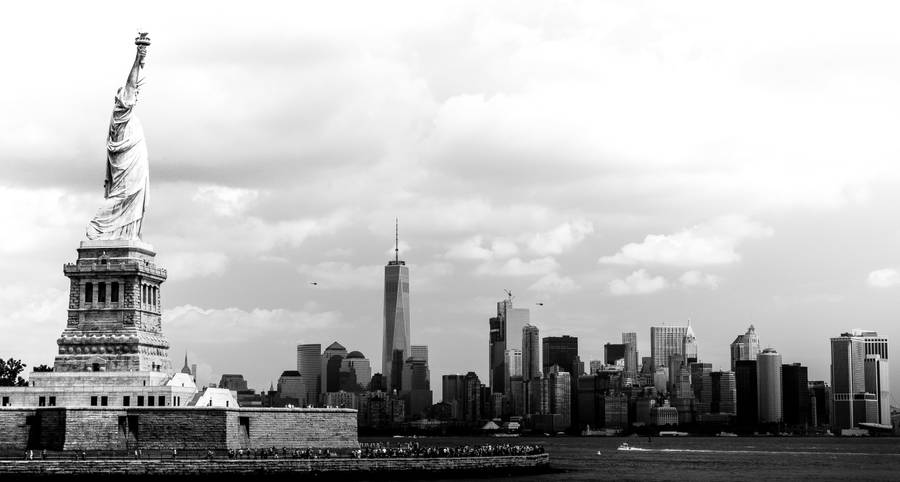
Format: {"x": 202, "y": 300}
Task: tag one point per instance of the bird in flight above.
{"x": 314, "y": 283}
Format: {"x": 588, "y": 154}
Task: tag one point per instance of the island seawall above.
{"x": 385, "y": 467}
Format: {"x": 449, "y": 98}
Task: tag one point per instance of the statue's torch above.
{"x": 142, "y": 41}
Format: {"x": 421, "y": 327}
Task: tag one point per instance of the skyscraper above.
{"x": 562, "y": 351}
{"x": 454, "y": 393}
{"x": 877, "y": 383}
{"x": 666, "y": 341}
{"x": 745, "y": 347}
{"x": 332, "y": 358}
{"x": 745, "y": 380}
{"x": 877, "y": 380}
{"x": 513, "y": 364}
{"x": 496, "y": 350}
{"x": 454, "y": 387}
{"x": 416, "y": 386}
{"x": 290, "y": 385}
{"x": 560, "y": 395}
{"x": 309, "y": 364}
{"x": 472, "y": 397}
{"x": 359, "y": 365}
{"x": 689, "y": 346}
{"x": 531, "y": 368}
{"x": 613, "y": 352}
{"x": 724, "y": 393}
{"x": 852, "y": 401}
{"x": 679, "y": 377}
{"x": 421, "y": 352}
{"x": 631, "y": 354}
{"x": 701, "y": 385}
{"x": 504, "y": 331}
{"x": 795, "y": 395}
{"x": 768, "y": 372}
{"x": 531, "y": 354}
{"x": 396, "y": 318}
{"x": 820, "y": 402}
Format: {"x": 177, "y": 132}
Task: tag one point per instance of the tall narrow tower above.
{"x": 531, "y": 352}
{"x": 396, "y": 317}
{"x": 768, "y": 376}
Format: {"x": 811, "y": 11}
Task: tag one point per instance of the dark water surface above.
{"x": 704, "y": 458}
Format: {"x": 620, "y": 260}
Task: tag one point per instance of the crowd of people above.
{"x": 282, "y": 453}
{"x": 414, "y": 449}
{"x": 366, "y": 451}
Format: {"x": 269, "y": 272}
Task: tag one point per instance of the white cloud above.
{"x": 233, "y": 325}
{"x": 884, "y": 278}
{"x": 554, "y": 283}
{"x": 503, "y": 248}
{"x": 472, "y": 248}
{"x": 518, "y": 267}
{"x": 186, "y": 265}
{"x": 711, "y": 243}
{"x": 35, "y": 218}
{"x": 430, "y": 276}
{"x": 338, "y": 253}
{"x": 637, "y": 283}
{"x": 241, "y": 235}
{"x": 697, "y": 278}
{"x": 42, "y": 313}
{"x": 224, "y": 200}
{"x": 469, "y": 249}
{"x": 562, "y": 238}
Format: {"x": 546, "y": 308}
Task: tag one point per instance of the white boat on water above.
{"x": 604, "y": 432}
{"x": 625, "y": 446}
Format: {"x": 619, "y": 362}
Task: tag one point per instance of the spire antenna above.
{"x": 397, "y": 239}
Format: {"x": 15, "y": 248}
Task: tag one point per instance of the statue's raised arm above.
{"x": 127, "y": 183}
{"x": 132, "y": 84}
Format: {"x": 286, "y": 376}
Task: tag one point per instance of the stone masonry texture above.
{"x": 186, "y": 428}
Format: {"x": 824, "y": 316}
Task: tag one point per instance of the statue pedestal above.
{"x": 114, "y": 322}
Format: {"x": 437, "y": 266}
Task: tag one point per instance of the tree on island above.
{"x": 9, "y": 373}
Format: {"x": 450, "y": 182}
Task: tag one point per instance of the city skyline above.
{"x": 622, "y": 166}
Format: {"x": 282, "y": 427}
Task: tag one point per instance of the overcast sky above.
{"x": 626, "y": 164}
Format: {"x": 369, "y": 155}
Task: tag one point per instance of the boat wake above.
{"x": 779, "y": 452}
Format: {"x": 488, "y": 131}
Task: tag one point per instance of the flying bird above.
{"x": 314, "y": 283}
{"x": 539, "y": 304}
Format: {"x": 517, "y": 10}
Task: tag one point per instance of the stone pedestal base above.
{"x": 114, "y": 321}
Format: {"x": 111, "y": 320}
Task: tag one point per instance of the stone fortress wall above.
{"x": 166, "y": 428}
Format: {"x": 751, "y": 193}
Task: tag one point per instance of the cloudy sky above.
{"x": 624, "y": 163}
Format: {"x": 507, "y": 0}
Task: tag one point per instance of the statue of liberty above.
{"x": 127, "y": 184}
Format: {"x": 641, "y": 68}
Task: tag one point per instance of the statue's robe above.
{"x": 127, "y": 174}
